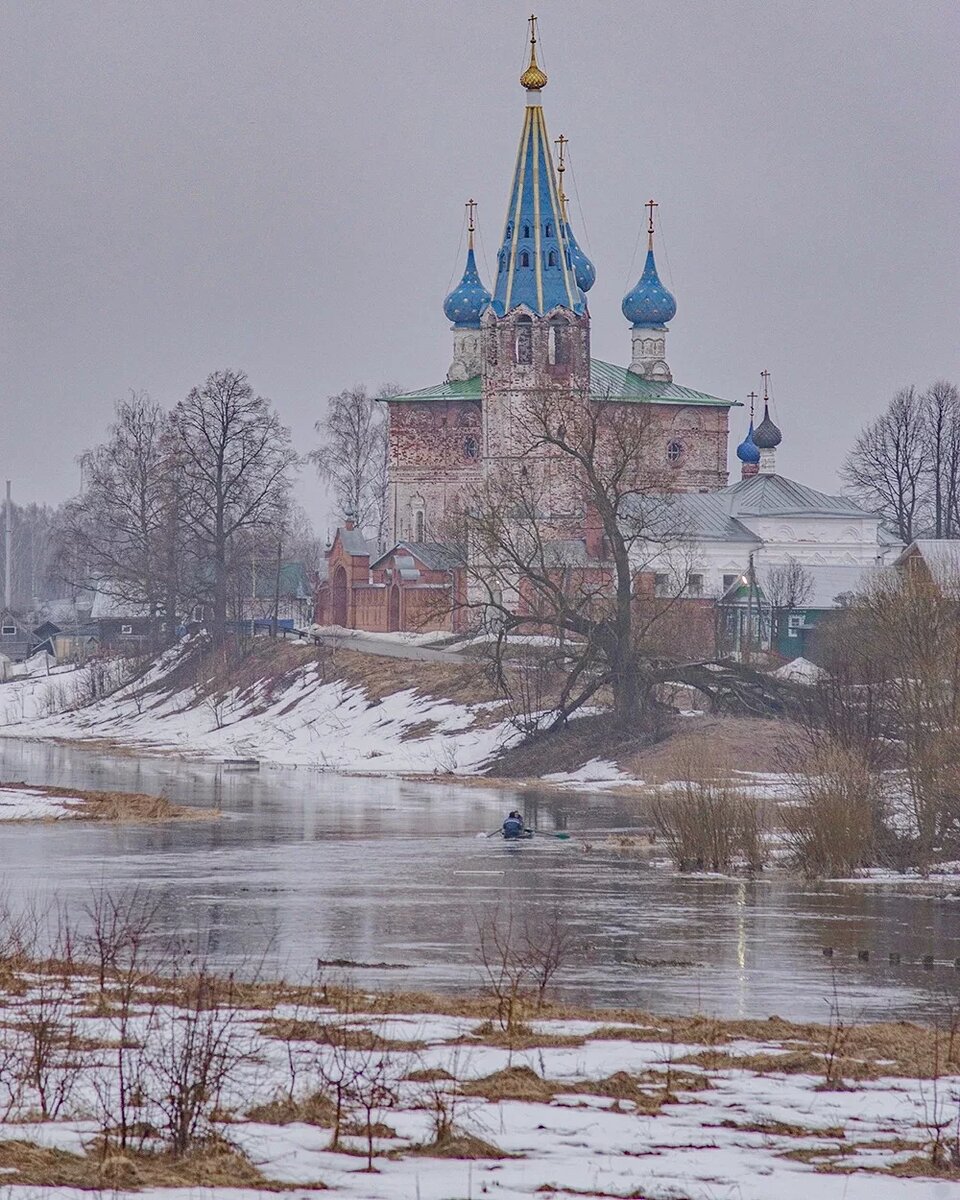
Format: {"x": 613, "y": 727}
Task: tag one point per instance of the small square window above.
{"x": 126, "y": 629}
{"x": 8, "y": 630}
{"x": 795, "y": 622}
{"x": 729, "y": 581}
{"x": 661, "y": 585}
{"x": 694, "y": 584}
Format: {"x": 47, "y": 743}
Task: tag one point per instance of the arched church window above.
{"x": 548, "y": 230}
{"x": 524, "y": 258}
{"x": 509, "y": 233}
{"x": 492, "y": 348}
{"x": 526, "y": 231}
{"x": 552, "y": 258}
{"x": 558, "y": 349}
{"x": 471, "y": 447}
{"x": 419, "y": 525}
{"x": 524, "y": 343}
{"x": 674, "y": 451}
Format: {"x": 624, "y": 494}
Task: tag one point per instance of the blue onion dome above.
{"x": 748, "y": 451}
{"x": 649, "y": 305}
{"x": 767, "y": 435}
{"x": 584, "y": 271}
{"x": 468, "y": 300}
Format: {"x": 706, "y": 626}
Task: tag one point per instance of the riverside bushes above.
{"x": 707, "y": 822}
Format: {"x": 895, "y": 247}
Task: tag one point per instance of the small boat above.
{"x": 524, "y": 836}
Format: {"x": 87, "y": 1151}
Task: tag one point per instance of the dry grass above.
{"x": 316, "y": 1109}
{"x": 520, "y": 1037}
{"x": 460, "y": 1145}
{"x": 921, "y": 1166}
{"x": 360, "y": 1038}
{"x": 773, "y": 1128}
{"x": 214, "y": 1165}
{"x": 85, "y": 805}
{"x": 512, "y": 1083}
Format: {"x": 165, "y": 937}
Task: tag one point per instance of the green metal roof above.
{"x": 607, "y": 382}
{"x": 467, "y": 389}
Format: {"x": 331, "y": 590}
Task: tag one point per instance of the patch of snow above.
{"x": 800, "y": 670}
{"x": 598, "y": 771}
{"x": 29, "y": 804}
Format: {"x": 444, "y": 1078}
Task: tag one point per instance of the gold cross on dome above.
{"x": 765, "y": 376}
{"x": 471, "y": 207}
{"x": 753, "y": 400}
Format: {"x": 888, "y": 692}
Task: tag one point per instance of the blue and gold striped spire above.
{"x": 532, "y": 265}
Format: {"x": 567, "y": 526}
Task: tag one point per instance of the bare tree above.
{"x": 353, "y": 455}
{"x": 116, "y": 532}
{"x": 33, "y": 551}
{"x": 941, "y": 407}
{"x": 887, "y": 467}
{"x": 786, "y": 587}
{"x": 583, "y": 463}
{"x": 236, "y": 459}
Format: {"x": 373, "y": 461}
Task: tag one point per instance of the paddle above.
{"x": 560, "y": 834}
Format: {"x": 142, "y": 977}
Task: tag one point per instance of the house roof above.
{"x": 706, "y": 517}
{"x": 607, "y": 382}
{"x": 106, "y": 607}
{"x": 435, "y": 556}
{"x": 353, "y": 540}
{"x": 776, "y": 496}
{"x": 942, "y": 558}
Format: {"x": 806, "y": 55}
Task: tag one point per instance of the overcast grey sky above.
{"x": 279, "y": 187}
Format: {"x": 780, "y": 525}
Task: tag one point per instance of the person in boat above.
{"x": 513, "y": 825}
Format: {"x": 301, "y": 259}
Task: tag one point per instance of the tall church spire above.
{"x": 532, "y": 265}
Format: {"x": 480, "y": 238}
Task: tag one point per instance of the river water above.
{"x": 305, "y": 866}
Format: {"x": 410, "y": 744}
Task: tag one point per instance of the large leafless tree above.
{"x": 235, "y": 462}
{"x": 353, "y": 456}
{"x": 120, "y": 532}
{"x": 886, "y": 468}
{"x": 584, "y": 463}
{"x": 905, "y": 465}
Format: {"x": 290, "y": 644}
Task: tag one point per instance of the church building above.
{"x": 529, "y": 334}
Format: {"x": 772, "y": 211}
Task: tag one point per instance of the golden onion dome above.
{"x": 533, "y": 78}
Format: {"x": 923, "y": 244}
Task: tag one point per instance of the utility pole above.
{"x": 8, "y": 552}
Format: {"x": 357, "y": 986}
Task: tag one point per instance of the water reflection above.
{"x": 304, "y": 866}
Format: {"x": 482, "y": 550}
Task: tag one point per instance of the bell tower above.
{"x": 535, "y": 335}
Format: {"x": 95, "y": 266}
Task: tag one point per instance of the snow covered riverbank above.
{"x": 329, "y": 724}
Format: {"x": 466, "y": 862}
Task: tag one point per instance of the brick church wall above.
{"x": 435, "y": 449}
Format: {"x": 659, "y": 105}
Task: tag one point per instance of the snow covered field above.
{"x": 646, "y": 1107}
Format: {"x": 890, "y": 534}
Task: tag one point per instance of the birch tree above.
{"x": 353, "y": 456}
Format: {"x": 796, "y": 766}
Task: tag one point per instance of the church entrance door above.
{"x": 339, "y": 592}
{"x": 393, "y": 610}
